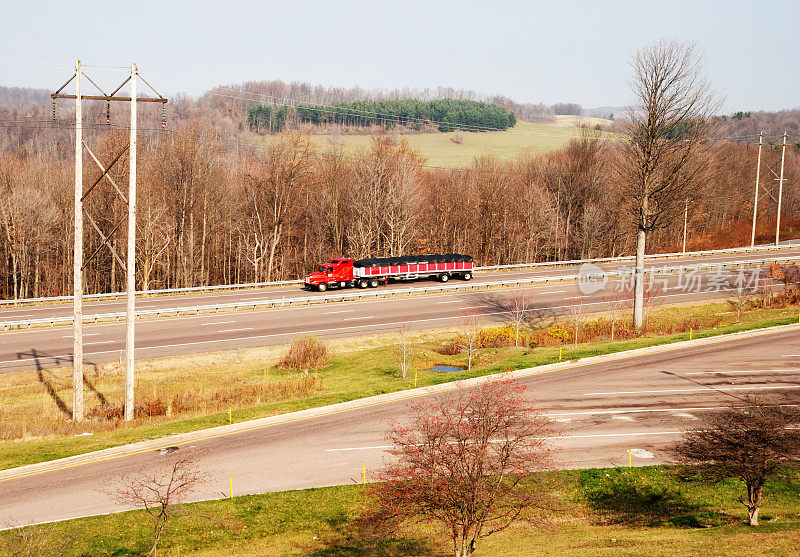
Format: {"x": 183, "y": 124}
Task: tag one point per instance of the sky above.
{"x": 548, "y": 52}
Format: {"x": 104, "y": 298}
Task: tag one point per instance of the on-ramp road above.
{"x": 641, "y": 401}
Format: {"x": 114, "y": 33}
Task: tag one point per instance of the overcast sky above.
{"x": 556, "y": 51}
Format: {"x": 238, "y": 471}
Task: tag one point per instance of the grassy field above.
{"x": 440, "y": 151}
{"x": 615, "y": 511}
{"x": 189, "y": 393}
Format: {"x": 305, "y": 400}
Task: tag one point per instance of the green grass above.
{"x": 351, "y": 375}
{"x": 440, "y": 151}
{"x": 613, "y": 511}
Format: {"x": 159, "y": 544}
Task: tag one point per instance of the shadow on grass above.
{"x": 623, "y": 498}
{"x": 346, "y": 540}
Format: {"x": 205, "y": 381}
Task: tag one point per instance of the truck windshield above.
{"x": 321, "y": 268}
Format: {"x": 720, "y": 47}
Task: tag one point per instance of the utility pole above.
{"x": 77, "y": 259}
{"x": 780, "y": 194}
{"x": 130, "y": 314}
{"x": 685, "y": 222}
{"x": 80, "y": 262}
{"x": 755, "y": 198}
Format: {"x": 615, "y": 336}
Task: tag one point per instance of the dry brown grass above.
{"x": 36, "y": 404}
{"x": 304, "y": 354}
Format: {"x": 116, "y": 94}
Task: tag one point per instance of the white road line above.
{"x": 357, "y": 318}
{"x": 791, "y": 355}
{"x": 720, "y": 388}
{"x": 741, "y": 371}
{"x": 235, "y": 330}
{"x": 636, "y": 411}
{"x": 587, "y": 436}
{"x": 217, "y": 323}
{"x": 84, "y": 334}
{"x": 450, "y": 302}
{"x": 479, "y": 307}
{"x": 340, "y": 311}
{"x": 554, "y": 292}
{"x": 100, "y": 342}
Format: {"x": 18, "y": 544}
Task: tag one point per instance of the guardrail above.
{"x": 380, "y": 293}
{"x": 257, "y": 285}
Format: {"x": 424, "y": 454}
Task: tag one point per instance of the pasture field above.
{"x": 441, "y": 151}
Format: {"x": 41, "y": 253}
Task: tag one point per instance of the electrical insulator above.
{"x": 163, "y": 116}
{"x": 108, "y": 112}
{"x": 54, "y": 110}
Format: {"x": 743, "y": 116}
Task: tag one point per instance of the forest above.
{"x": 446, "y": 114}
{"x": 215, "y": 206}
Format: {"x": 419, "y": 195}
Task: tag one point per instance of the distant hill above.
{"x": 21, "y": 97}
{"x": 743, "y": 127}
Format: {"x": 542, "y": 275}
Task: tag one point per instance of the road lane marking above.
{"x": 450, "y": 302}
{"x": 479, "y": 307}
{"x": 217, "y": 323}
{"x": 635, "y": 411}
{"x": 236, "y": 330}
{"x": 554, "y": 292}
{"x": 720, "y": 388}
{"x": 340, "y": 311}
{"x": 84, "y": 334}
{"x": 560, "y": 438}
{"x": 685, "y": 415}
{"x": 357, "y": 318}
{"x": 100, "y": 342}
{"x": 742, "y": 371}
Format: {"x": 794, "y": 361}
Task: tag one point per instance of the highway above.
{"x": 104, "y": 342}
{"x": 603, "y": 409}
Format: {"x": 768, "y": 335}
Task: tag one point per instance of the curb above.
{"x": 341, "y": 407}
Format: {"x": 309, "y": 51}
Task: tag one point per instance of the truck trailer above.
{"x": 374, "y": 271}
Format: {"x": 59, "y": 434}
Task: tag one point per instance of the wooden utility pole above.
{"x": 780, "y": 194}
{"x": 130, "y": 314}
{"x": 755, "y": 198}
{"x": 77, "y": 259}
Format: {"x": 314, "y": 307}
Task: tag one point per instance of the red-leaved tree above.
{"x": 466, "y": 462}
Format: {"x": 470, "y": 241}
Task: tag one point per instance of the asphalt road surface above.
{"x": 604, "y": 409}
{"x": 45, "y": 348}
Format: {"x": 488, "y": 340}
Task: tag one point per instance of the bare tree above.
{"x": 749, "y": 441}
{"x": 471, "y": 325}
{"x": 159, "y": 492}
{"x": 662, "y": 157}
{"x": 405, "y": 350}
{"x": 467, "y": 463}
{"x": 741, "y": 296}
{"x": 576, "y": 316}
{"x": 618, "y": 305}
{"x": 518, "y": 313}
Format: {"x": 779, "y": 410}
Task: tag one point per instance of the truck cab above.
{"x": 336, "y": 273}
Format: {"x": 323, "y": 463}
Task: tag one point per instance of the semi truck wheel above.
{"x": 444, "y": 277}
{"x": 362, "y": 283}
{"x": 322, "y": 287}
{"x": 373, "y": 283}
{"x": 467, "y": 276}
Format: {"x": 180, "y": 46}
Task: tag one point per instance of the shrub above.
{"x": 305, "y": 353}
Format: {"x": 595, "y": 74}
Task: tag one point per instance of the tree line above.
{"x": 445, "y": 114}
{"x": 212, "y": 211}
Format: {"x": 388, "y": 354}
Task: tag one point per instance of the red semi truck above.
{"x": 346, "y": 273}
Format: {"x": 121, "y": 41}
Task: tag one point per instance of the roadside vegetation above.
{"x": 614, "y": 511}
{"x": 187, "y": 393}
